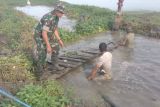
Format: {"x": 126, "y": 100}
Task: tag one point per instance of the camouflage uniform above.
{"x": 48, "y": 23}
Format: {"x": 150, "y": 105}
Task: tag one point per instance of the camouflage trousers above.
{"x": 40, "y": 51}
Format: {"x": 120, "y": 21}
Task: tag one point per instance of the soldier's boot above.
{"x": 53, "y": 65}
{"x": 57, "y": 67}
{"x": 55, "y": 62}
{"x": 39, "y": 72}
{"x": 54, "y": 68}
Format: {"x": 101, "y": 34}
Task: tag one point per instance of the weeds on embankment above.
{"x": 145, "y": 23}
{"x": 16, "y": 27}
{"x": 47, "y": 94}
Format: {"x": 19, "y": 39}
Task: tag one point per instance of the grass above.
{"x": 48, "y": 94}
{"x": 145, "y": 17}
{"x": 17, "y": 28}
{"x": 143, "y": 22}
{"x": 90, "y": 20}
{"x": 14, "y": 69}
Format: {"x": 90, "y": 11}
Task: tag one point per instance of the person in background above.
{"x": 103, "y": 65}
{"x": 128, "y": 39}
{"x": 120, "y": 4}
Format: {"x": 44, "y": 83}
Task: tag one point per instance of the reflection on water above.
{"x": 38, "y": 11}
{"x": 135, "y": 83}
{"x": 35, "y": 11}
{"x": 128, "y": 4}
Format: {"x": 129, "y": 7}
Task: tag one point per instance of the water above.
{"x": 135, "y": 83}
{"x": 38, "y": 11}
{"x": 128, "y": 4}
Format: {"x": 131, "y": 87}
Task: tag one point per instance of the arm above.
{"x": 45, "y": 38}
{"x": 124, "y": 41}
{"x": 93, "y": 73}
{"x": 58, "y": 37}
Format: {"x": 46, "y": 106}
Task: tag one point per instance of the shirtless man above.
{"x": 128, "y": 39}
{"x": 103, "y": 64}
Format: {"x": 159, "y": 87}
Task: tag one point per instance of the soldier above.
{"x": 47, "y": 38}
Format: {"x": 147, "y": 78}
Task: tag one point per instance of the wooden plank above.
{"x": 90, "y": 52}
{"x": 94, "y": 49}
{"x": 53, "y": 69}
{"x": 86, "y": 55}
{"x": 71, "y": 59}
{"x": 67, "y": 65}
{"x": 70, "y": 62}
{"x": 63, "y": 73}
{"x": 80, "y": 57}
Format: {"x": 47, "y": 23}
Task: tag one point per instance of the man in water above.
{"x": 47, "y": 38}
{"x": 128, "y": 39}
{"x": 103, "y": 65}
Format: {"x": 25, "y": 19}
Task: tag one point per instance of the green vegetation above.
{"x": 144, "y": 22}
{"x": 17, "y": 27}
{"x": 48, "y": 94}
{"x": 91, "y": 19}
{"x": 16, "y": 66}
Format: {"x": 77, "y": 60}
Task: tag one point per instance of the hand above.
{"x": 61, "y": 43}
{"x": 116, "y": 46}
{"x": 89, "y": 78}
{"x": 49, "y": 49}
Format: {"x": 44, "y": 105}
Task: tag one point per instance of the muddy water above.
{"x": 38, "y": 11}
{"x": 136, "y": 72}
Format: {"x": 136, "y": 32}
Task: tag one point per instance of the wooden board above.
{"x": 79, "y": 57}
{"x": 90, "y": 52}
{"x": 71, "y": 59}
{"x": 66, "y": 65}
{"x": 69, "y": 62}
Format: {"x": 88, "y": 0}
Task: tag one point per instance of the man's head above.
{"x": 129, "y": 28}
{"x": 103, "y": 47}
{"x": 59, "y": 10}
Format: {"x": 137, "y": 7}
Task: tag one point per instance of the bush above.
{"x": 15, "y": 69}
{"x": 68, "y": 36}
{"x": 48, "y": 94}
{"x": 16, "y": 66}
{"x": 90, "y": 19}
